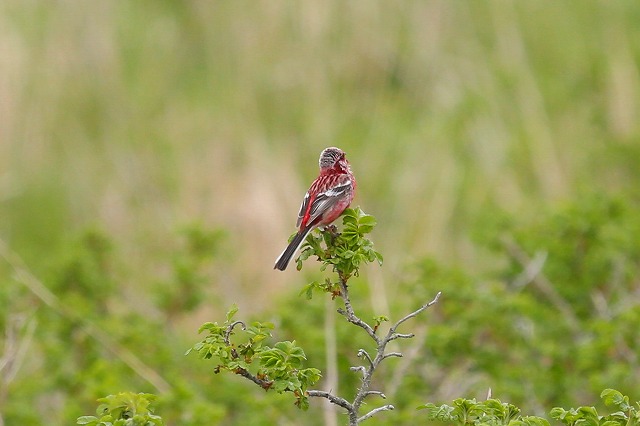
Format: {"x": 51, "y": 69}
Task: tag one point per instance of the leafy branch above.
{"x": 241, "y": 349}
{"x": 493, "y": 412}
{"x": 131, "y": 409}
{"x": 471, "y": 412}
{"x": 626, "y": 414}
{"x": 346, "y": 252}
{"x": 124, "y": 409}
{"x": 278, "y": 368}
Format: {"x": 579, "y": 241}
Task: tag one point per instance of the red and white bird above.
{"x": 329, "y": 195}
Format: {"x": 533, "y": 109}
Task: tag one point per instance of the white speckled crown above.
{"x": 329, "y": 156}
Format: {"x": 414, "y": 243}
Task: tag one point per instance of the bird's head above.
{"x": 331, "y": 157}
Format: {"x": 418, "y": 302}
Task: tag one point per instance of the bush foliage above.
{"x": 510, "y": 321}
{"x": 151, "y": 159}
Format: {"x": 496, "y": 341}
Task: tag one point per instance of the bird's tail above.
{"x": 288, "y": 253}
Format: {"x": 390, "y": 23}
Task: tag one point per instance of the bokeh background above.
{"x": 153, "y": 155}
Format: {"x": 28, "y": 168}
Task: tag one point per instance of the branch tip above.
{"x": 229, "y": 330}
{"x": 373, "y": 412}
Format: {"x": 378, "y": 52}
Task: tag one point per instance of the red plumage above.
{"x": 329, "y": 195}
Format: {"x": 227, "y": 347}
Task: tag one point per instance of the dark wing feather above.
{"x": 303, "y": 208}
{"x": 325, "y": 200}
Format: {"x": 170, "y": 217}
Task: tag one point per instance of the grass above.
{"x": 140, "y": 117}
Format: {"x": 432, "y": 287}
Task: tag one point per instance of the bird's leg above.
{"x": 333, "y": 231}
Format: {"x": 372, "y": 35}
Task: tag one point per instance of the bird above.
{"x": 328, "y": 196}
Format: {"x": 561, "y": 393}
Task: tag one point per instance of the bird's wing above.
{"x": 314, "y": 207}
{"x": 303, "y": 208}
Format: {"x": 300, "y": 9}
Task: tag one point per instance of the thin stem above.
{"x": 264, "y": 384}
{"x": 331, "y": 377}
{"x": 361, "y": 368}
{"x": 392, "y": 354}
{"x": 393, "y": 329}
{"x": 374, "y": 411}
{"x": 229, "y": 330}
{"x": 349, "y": 313}
{"x": 380, "y": 394}
{"x": 381, "y": 343}
{"x": 332, "y": 398}
{"x": 364, "y": 354}
{"x": 401, "y": 336}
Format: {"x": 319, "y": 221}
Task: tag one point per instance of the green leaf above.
{"x": 380, "y": 319}
{"x": 558, "y": 413}
{"x": 347, "y": 254}
{"x": 349, "y": 219}
{"x": 612, "y": 423}
{"x": 368, "y": 220}
{"x": 124, "y": 408}
{"x": 349, "y": 213}
{"x": 444, "y": 413}
{"x": 589, "y": 416}
{"x": 308, "y": 290}
{"x": 232, "y": 311}
{"x": 614, "y": 397}
{"x": 530, "y": 421}
{"x": 206, "y": 326}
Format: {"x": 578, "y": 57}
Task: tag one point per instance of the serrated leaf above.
{"x": 232, "y": 311}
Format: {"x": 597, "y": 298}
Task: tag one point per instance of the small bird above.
{"x": 329, "y": 195}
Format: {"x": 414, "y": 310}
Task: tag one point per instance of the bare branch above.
{"x": 413, "y": 314}
{"x": 331, "y": 382}
{"x": 408, "y": 357}
{"x": 332, "y": 398}
{"x": 375, "y": 411}
{"x": 264, "y": 384}
{"x": 380, "y": 356}
{"x": 359, "y": 368}
{"x": 395, "y": 336}
{"x": 229, "y": 330}
{"x": 364, "y": 354}
{"x": 374, "y": 358}
{"x": 349, "y": 313}
{"x": 392, "y": 354}
{"x": 380, "y": 394}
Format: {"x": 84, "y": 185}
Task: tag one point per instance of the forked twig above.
{"x": 373, "y": 363}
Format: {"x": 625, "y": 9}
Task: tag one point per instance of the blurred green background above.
{"x": 153, "y": 155}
